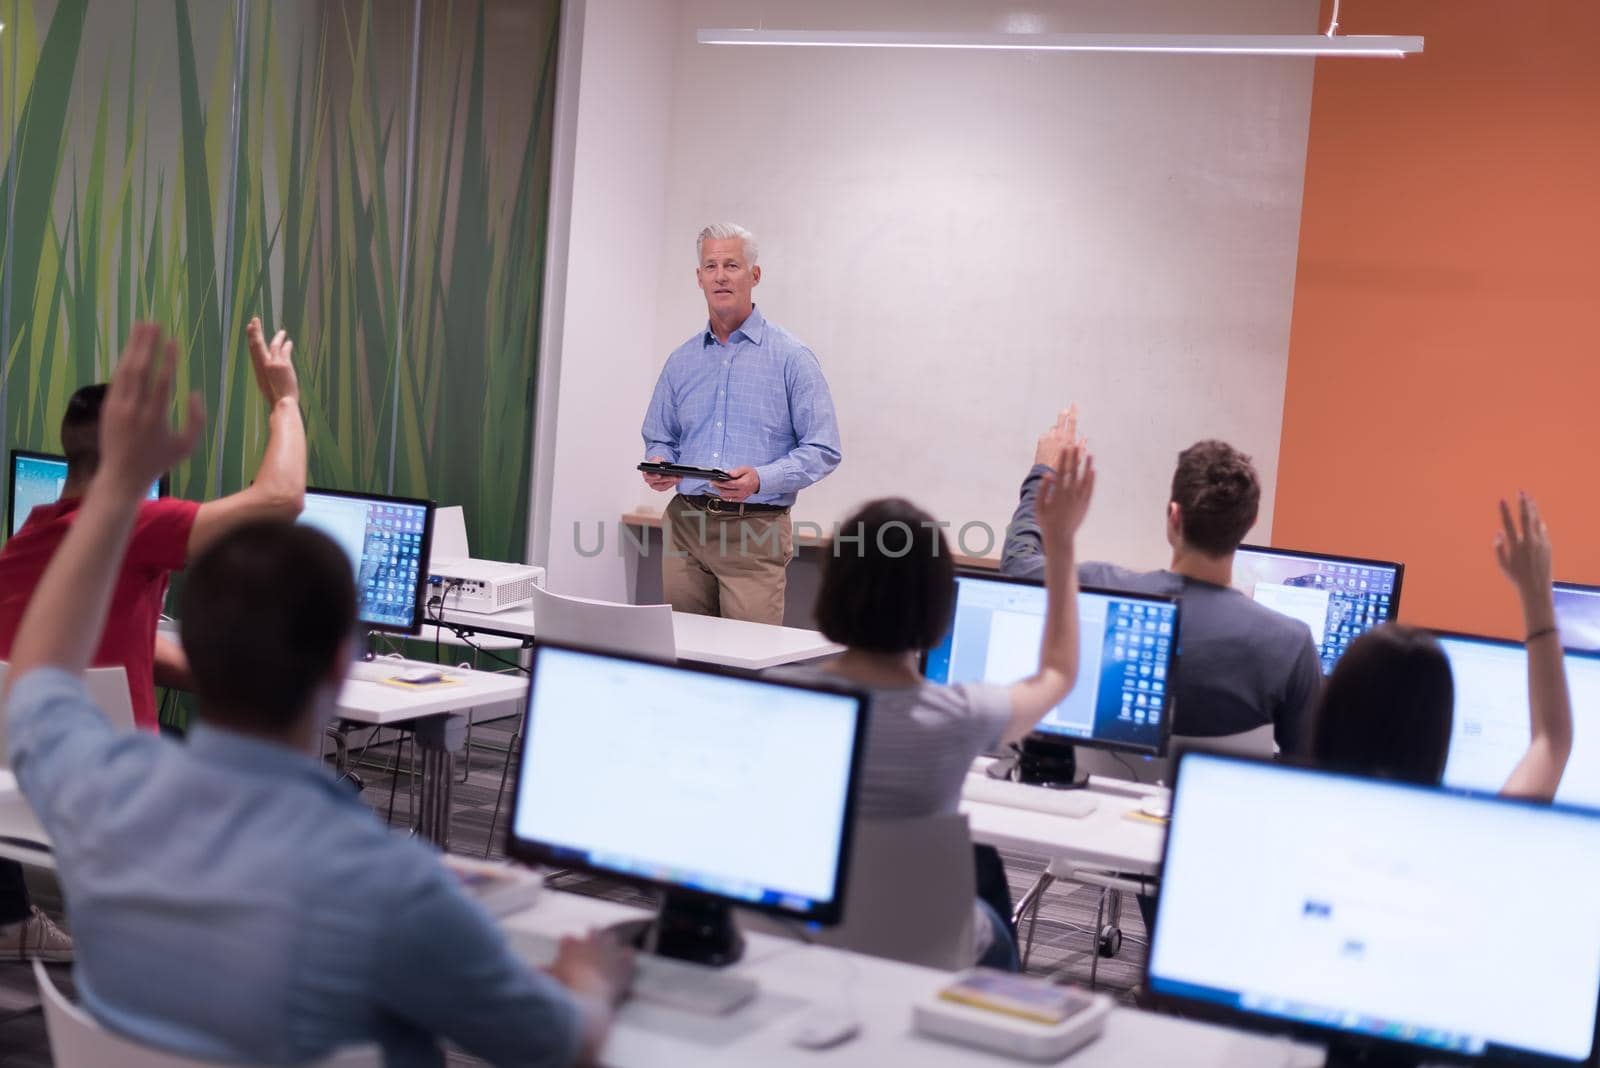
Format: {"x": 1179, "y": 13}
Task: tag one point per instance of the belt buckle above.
{"x": 714, "y": 504}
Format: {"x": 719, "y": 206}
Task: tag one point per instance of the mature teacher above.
{"x": 746, "y": 397}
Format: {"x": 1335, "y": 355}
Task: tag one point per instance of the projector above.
{"x": 484, "y": 586}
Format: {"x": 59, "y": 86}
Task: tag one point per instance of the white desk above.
{"x": 733, "y": 643}
{"x": 794, "y": 977}
{"x": 437, "y": 717}
{"x": 1105, "y": 839}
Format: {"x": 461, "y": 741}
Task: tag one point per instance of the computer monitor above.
{"x": 387, "y": 540}
{"x": 1389, "y": 920}
{"x": 1127, "y": 659}
{"x": 1578, "y": 615}
{"x": 1490, "y": 730}
{"x": 37, "y": 478}
{"x": 719, "y": 790}
{"x": 1338, "y": 597}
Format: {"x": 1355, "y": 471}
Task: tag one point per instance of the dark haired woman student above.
{"x": 888, "y": 594}
{"x": 1389, "y": 705}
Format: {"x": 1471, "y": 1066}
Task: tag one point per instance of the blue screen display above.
{"x": 1578, "y": 614}
{"x": 1128, "y": 648}
{"x": 1338, "y": 598}
{"x": 384, "y": 542}
{"x": 37, "y": 480}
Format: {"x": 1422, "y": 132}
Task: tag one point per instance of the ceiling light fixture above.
{"x": 1216, "y": 44}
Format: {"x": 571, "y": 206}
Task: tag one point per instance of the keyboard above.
{"x": 1074, "y": 804}
{"x": 677, "y": 984}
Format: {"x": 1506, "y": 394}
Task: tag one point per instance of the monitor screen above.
{"x": 1490, "y": 730}
{"x": 1363, "y": 910}
{"x": 37, "y": 478}
{"x": 735, "y": 788}
{"x": 1338, "y": 597}
{"x": 386, "y": 539}
{"x": 1578, "y": 615}
{"x": 1128, "y": 653}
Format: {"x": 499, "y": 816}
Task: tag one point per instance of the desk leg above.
{"x": 438, "y": 740}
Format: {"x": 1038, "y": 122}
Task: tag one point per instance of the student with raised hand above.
{"x": 166, "y": 534}
{"x": 1389, "y": 705}
{"x": 1242, "y": 666}
{"x": 231, "y": 901}
{"x": 888, "y": 594}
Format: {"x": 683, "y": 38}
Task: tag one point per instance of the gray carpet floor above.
{"x": 1063, "y": 944}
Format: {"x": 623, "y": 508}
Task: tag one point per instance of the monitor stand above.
{"x": 1362, "y": 1055}
{"x": 1043, "y": 762}
{"x": 687, "y": 927}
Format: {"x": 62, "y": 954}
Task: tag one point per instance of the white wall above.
{"x": 605, "y": 365}
{"x": 967, "y": 240}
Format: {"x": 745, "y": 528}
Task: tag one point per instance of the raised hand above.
{"x": 1064, "y": 496}
{"x": 1523, "y": 551}
{"x": 1064, "y": 434}
{"x": 273, "y": 363}
{"x": 137, "y": 442}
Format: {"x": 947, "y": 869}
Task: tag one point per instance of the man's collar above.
{"x": 754, "y": 328}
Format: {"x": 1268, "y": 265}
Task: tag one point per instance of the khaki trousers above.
{"x": 725, "y": 564}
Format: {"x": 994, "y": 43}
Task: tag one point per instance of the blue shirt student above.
{"x": 231, "y": 901}
{"x": 759, "y": 400}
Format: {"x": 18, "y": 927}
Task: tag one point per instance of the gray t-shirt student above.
{"x": 1241, "y": 665}
{"x": 921, "y": 740}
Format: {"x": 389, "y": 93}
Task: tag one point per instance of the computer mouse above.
{"x": 1159, "y": 808}
{"x": 825, "y": 1026}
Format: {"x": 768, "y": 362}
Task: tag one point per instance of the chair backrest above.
{"x": 1257, "y": 742}
{"x": 909, "y": 896}
{"x": 77, "y": 1041}
{"x": 450, "y": 534}
{"x": 108, "y": 688}
{"x": 645, "y": 629}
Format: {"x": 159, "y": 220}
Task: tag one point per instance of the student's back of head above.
{"x": 1218, "y": 494}
{"x": 890, "y": 584}
{"x": 266, "y": 613}
{"x": 80, "y": 431}
{"x": 1387, "y": 708}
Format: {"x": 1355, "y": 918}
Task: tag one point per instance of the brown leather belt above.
{"x": 717, "y": 506}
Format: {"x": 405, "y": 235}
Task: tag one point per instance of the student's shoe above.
{"x": 35, "y": 938}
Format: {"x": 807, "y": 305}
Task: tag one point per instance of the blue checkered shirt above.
{"x": 759, "y": 400}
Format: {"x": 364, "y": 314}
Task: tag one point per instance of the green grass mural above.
{"x": 117, "y": 127}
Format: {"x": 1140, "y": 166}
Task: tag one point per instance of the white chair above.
{"x": 77, "y": 1041}
{"x": 108, "y": 688}
{"x": 644, "y": 629}
{"x": 1258, "y": 742}
{"x": 909, "y": 896}
{"x": 450, "y": 534}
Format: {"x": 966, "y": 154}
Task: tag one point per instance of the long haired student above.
{"x": 1389, "y": 705}
{"x": 887, "y": 595}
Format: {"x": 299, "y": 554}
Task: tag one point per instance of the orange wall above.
{"x": 1445, "y": 347}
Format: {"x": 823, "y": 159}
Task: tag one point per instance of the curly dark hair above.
{"x": 1218, "y": 492}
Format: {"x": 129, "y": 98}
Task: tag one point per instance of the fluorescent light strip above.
{"x": 1170, "y": 43}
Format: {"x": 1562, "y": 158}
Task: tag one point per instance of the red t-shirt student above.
{"x": 159, "y": 546}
